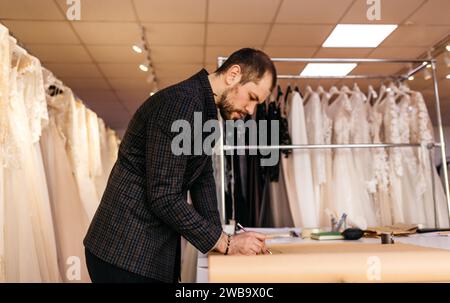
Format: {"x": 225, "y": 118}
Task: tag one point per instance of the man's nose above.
{"x": 250, "y": 108}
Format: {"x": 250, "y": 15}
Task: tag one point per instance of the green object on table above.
{"x": 330, "y": 235}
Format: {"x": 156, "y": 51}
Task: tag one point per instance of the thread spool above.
{"x": 387, "y": 238}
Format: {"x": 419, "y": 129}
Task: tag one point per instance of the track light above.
{"x": 447, "y": 60}
{"x": 137, "y": 48}
{"x": 143, "y": 67}
{"x": 411, "y": 78}
{"x": 448, "y": 48}
{"x": 448, "y": 76}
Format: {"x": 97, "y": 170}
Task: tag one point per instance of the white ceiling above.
{"x": 94, "y": 57}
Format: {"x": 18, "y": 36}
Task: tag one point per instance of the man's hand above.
{"x": 246, "y": 243}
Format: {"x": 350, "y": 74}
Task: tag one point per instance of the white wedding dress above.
{"x": 363, "y": 163}
{"x": 4, "y": 99}
{"x": 70, "y": 219}
{"x": 30, "y": 253}
{"x": 349, "y": 193}
{"x": 381, "y": 198}
{"x": 316, "y": 127}
{"x": 422, "y": 132}
{"x": 297, "y": 169}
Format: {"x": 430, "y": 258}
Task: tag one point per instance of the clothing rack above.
{"x": 420, "y": 64}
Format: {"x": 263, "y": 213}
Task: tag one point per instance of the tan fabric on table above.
{"x": 335, "y": 262}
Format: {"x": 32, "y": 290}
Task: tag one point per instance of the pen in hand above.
{"x": 243, "y": 229}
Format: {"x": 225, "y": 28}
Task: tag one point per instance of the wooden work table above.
{"x": 417, "y": 258}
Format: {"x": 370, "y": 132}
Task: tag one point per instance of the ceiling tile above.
{"x": 312, "y": 12}
{"x": 289, "y": 68}
{"x": 177, "y": 54}
{"x": 171, "y": 10}
{"x": 85, "y": 83}
{"x": 378, "y": 68}
{"x": 176, "y": 70}
{"x": 416, "y": 35}
{"x": 236, "y": 34}
{"x": 132, "y": 99}
{"x": 433, "y": 12}
{"x": 165, "y": 82}
{"x": 120, "y": 70}
{"x": 343, "y": 52}
{"x": 60, "y": 53}
{"x": 170, "y": 34}
{"x": 420, "y": 84}
{"x": 55, "y": 32}
{"x": 210, "y": 68}
{"x": 392, "y": 11}
{"x": 103, "y": 10}
{"x": 298, "y": 35}
{"x": 299, "y": 52}
{"x": 115, "y": 54}
{"x": 212, "y": 52}
{"x": 398, "y": 52}
{"x": 74, "y": 70}
{"x": 129, "y": 84}
{"x": 232, "y": 11}
{"x": 28, "y": 10}
{"x": 108, "y": 32}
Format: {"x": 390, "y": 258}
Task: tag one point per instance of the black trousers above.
{"x": 103, "y": 272}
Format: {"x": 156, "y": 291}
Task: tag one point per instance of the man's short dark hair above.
{"x": 254, "y": 64}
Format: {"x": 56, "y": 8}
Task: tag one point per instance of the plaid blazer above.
{"x": 144, "y": 208}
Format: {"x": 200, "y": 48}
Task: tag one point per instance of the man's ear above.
{"x": 233, "y": 75}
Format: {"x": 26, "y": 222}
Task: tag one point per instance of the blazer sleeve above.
{"x": 167, "y": 199}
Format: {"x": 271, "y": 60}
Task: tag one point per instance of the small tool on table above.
{"x": 242, "y": 227}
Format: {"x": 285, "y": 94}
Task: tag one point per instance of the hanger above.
{"x": 372, "y": 95}
{"x": 308, "y": 94}
{"x": 288, "y": 91}
{"x": 279, "y": 93}
{"x": 346, "y": 90}
{"x": 332, "y": 93}
{"x": 357, "y": 90}
{"x": 320, "y": 90}
{"x": 383, "y": 91}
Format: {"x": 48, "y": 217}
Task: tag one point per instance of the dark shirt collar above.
{"x": 210, "y": 104}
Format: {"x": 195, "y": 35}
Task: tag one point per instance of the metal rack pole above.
{"x": 330, "y": 146}
{"x": 441, "y": 135}
{"x": 344, "y": 60}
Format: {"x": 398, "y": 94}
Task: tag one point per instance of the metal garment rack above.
{"x": 420, "y": 64}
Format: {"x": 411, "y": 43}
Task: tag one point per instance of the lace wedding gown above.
{"x": 349, "y": 194}
{"x": 30, "y": 255}
{"x": 435, "y": 204}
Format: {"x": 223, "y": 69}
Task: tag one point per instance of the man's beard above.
{"x": 226, "y": 108}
